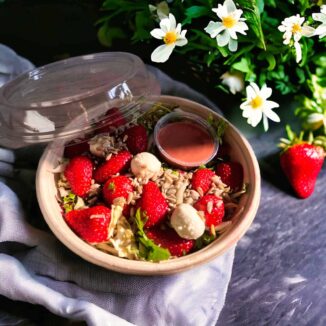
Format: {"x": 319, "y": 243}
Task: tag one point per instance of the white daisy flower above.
{"x": 234, "y": 81}
{"x": 172, "y": 36}
{"x": 292, "y": 28}
{"x": 320, "y": 17}
{"x": 256, "y": 107}
{"x": 231, "y": 23}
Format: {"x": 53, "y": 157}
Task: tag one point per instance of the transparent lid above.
{"x": 65, "y": 99}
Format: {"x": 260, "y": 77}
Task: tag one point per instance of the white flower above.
{"x": 231, "y": 23}
{"x": 292, "y": 27}
{"x": 234, "y": 80}
{"x": 172, "y": 36}
{"x": 257, "y": 107}
{"x": 320, "y": 17}
{"x": 161, "y": 11}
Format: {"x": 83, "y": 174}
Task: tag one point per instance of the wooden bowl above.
{"x": 241, "y": 151}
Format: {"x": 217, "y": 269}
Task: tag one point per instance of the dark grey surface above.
{"x": 278, "y": 276}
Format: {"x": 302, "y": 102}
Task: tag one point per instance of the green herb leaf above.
{"x": 106, "y": 35}
{"x": 69, "y": 202}
{"x": 195, "y": 12}
{"x": 148, "y": 249}
{"x": 252, "y": 15}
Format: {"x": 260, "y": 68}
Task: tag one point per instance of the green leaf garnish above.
{"x": 147, "y": 248}
{"x": 69, "y": 202}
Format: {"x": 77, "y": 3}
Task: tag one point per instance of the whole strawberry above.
{"x": 119, "y": 186}
{"x": 116, "y": 164}
{"x": 78, "y": 173}
{"x": 170, "y": 240}
{"x": 213, "y": 208}
{"x": 231, "y": 173}
{"x": 202, "y": 179}
{"x": 112, "y": 118}
{"x": 152, "y": 204}
{"x": 301, "y": 162}
{"x": 91, "y": 224}
{"x": 76, "y": 148}
{"x": 115, "y": 187}
{"x": 137, "y": 139}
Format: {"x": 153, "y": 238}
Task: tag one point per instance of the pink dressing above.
{"x": 186, "y": 142}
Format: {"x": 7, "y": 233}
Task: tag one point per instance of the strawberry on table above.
{"x": 152, "y": 204}
{"x": 116, "y": 164}
{"x": 202, "y": 179}
{"x": 137, "y": 139}
{"x": 91, "y": 224}
{"x": 78, "y": 173}
{"x": 170, "y": 240}
{"x": 213, "y": 208}
{"x": 301, "y": 162}
{"x": 231, "y": 173}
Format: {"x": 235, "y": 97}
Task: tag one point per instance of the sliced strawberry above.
{"x": 170, "y": 240}
{"x": 116, "y": 164}
{"x": 231, "y": 173}
{"x": 202, "y": 179}
{"x": 137, "y": 139}
{"x": 213, "y": 208}
{"x": 152, "y": 204}
{"x": 91, "y": 224}
{"x": 78, "y": 173}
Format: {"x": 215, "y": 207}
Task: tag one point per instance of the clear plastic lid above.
{"x": 68, "y": 98}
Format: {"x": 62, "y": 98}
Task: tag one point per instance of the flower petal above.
{"x": 255, "y": 88}
{"x": 214, "y": 28}
{"x": 250, "y": 92}
{"x": 298, "y": 51}
{"x": 265, "y": 122}
{"x": 256, "y": 117}
{"x": 181, "y": 42}
{"x": 173, "y": 23}
{"x": 165, "y": 25}
{"x": 320, "y": 30}
{"x": 308, "y": 31}
{"x": 270, "y": 105}
{"x": 265, "y": 92}
{"x": 241, "y": 27}
{"x": 157, "y": 33}
{"x": 223, "y": 39}
{"x": 233, "y": 45}
{"x": 162, "y": 53}
{"x": 220, "y": 11}
{"x": 230, "y": 6}
{"x": 319, "y": 17}
{"x": 272, "y": 115}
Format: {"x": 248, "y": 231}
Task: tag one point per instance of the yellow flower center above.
{"x": 170, "y": 37}
{"x": 296, "y": 28}
{"x": 256, "y": 102}
{"x": 228, "y": 21}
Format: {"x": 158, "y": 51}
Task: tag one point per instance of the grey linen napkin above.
{"x": 36, "y": 268}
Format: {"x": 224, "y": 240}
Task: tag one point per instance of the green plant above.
{"x": 275, "y": 47}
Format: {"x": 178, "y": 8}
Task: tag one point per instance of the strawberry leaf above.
{"x": 148, "y": 249}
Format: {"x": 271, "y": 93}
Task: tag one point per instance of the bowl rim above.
{"x": 208, "y": 253}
